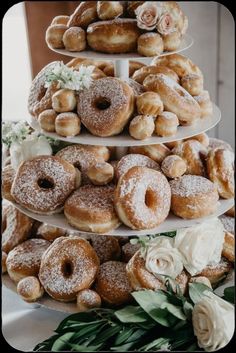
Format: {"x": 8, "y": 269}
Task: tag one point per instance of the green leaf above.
{"x": 197, "y": 290}
{"x": 156, "y": 344}
{"x": 229, "y": 294}
{"x": 188, "y": 308}
{"x": 108, "y": 333}
{"x": 61, "y": 343}
{"x": 132, "y": 314}
{"x": 123, "y": 336}
{"x": 176, "y": 311}
{"x": 81, "y": 348}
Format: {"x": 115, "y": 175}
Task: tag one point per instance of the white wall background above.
{"x": 210, "y": 24}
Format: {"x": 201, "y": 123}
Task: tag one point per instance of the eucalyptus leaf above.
{"x": 132, "y": 314}
{"x": 62, "y": 342}
{"x": 188, "y": 308}
{"x": 197, "y": 290}
{"x": 81, "y": 348}
{"x": 176, "y": 311}
{"x": 156, "y": 344}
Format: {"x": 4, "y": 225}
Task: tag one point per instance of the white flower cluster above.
{"x": 12, "y": 132}
{"x": 69, "y": 78}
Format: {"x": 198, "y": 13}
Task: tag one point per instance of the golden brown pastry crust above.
{"x": 74, "y": 39}
{"x": 229, "y": 247}
{"x": 84, "y": 14}
{"x": 8, "y": 175}
{"x": 54, "y": 35}
{"x": 150, "y": 44}
{"x": 149, "y": 103}
{"x": 215, "y": 273}
{"x": 88, "y": 299}
{"x": 107, "y": 248}
{"x": 108, "y": 10}
{"x": 155, "y": 152}
{"x": 140, "y": 75}
{"x": 30, "y": 289}
{"x": 47, "y": 119}
{"x": 67, "y": 124}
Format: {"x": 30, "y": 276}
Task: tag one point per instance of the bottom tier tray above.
{"x": 170, "y": 224}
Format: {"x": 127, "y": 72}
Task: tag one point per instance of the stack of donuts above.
{"x": 155, "y": 100}
{"x": 117, "y": 27}
{"x": 93, "y": 271}
{"x": 97, "y": 193}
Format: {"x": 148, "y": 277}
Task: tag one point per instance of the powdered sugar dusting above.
{"x": 228, "y": 223}
{"x": 134, "y": 160}
{"x": 190, "y": 185}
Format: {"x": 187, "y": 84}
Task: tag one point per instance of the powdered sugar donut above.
{"x": 88, "y": 299}
{"x": 107, "y": 248}
{"x": 30, "y": 289}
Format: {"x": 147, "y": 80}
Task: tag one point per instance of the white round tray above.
{"x": 170, "y": 224}
{"x": 125, "y": 139}
{"x": 186, "y": 43}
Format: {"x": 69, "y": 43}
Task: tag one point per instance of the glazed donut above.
{"x": 24, "y": 260}
{"x": 202, "y": 138}
{"x": 155, "y": 152}
{"x": 215, "y": 273}
{"x": 67, "y": 124}
{"x": 91, "y": 209}
{"x": 50, "y": 233}
{"x": 166, "y": 124}
{"x": 54, "y": 35}
{"x": 174, "y": 97}
{"x": 69, "y": 265}
{"x": 47, "y": 119}
{"x": 64, "y": 100}
{"x": 16, "y": 227}
{"x": 4, "y": 259}
{"x": 217, "y": 143}
{"x": 60, "y": 20}
{"x": 147, "y": 188}
{"x": 193, "y": 196}
{"x": 113, "y": 36}
{"x": 228, "y": 247}
{"x": 193, "y": 84}
{"x": 194, "y": 154}
{"x": 133, "y": 66}
{"x": 134, "y": 160}
{"x": 42, "y": 184}
{"x": 84, "y": 14}
{"x": 150, "y": 44}
{"x": 8, "y": 175}
{"x": 106, "y": 106}
{"x": 128, "y": 251}
{"x": 201, "y": 279}
{"x": 108, "y": 10}
{"x": 172, "y": 41}
{"x": 88, "y": 299}
{"x": 149, "y": 103}
{"x": 205, "y": 104}
{"x": 140, "y": 75}
{"x": 173, "y": 166}
{"x": 179, "y": 63}
{"x": 30, "y": 289}
{"x": 107, "y": 248}
{"x": 112, "y": 283}
{"x": 231, "y": 212}
{"x": 132, "y": 6}
{"x": 136, "y": 87}
{"x": 141, "y": 127}
{"x": 84, "y": 157}
{"x": 40, "y": 98}
{"x": 74, "y": 39}
{"x": 100, "y": 173}
{"x": 220, "y": 169}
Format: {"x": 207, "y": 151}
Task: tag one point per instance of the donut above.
{"x": 220, "y": 169}
{"x": 24, "y": 260}
{"x": 107, "y": 248}
{"x": 84, "y": 14}
{"x": 231, "y": 212}
{"x": 64, "y": 100}
{"x": 40, "y": 98}
{"x": 69, "y": 265}
{"x": 74, "y": 39}
{"x": 155, "y": 152}
{"x": 149, "y": 103}
{"x": 128, "y": 251}
{"x": 193, "y": 84}
{"x": 47, "y": 119}
{"x": 142, "y": 198}
{"x": 173, "y": 144}
{"x": 60, "y": 20}
{"x": 166, "y": 124}
{"x": 217, "y": 143}
{"x": 100, "y": 173}
{"x": 91, "y": 209}
{"x": 16, "y": 227}
{"x": 133, "y": 66}
{"x": 174, "y": 97}
{"x": 112, "y": 283}
{"x": 134, "y": 160}
{"x": 193, "y": 196}
{"x": 215, "y": 273}
{"x": 106, "y": 106}
{"x": 50, "y": 233}
{"x": 75, "y": 63}
{"x": 202, "y": 138}
{"x": 8, "y": 175}
{"x": 4, "y": 259}
{"x": 141, "y": 127}
{"x": 201, "y": 279}
{"x": 113, "y": 36}
{"x": 172, "y": 41}
{"x": 54, "y": 35}
{"x": 108, "y": 10}
{"x": 179, "y": 63}
{"x": 88, "y": 299}
{"x": 140, "y": 75}
{"x": 150, "y": 44}
{"x": 229, "y": 247}
{"x": 43, "y": 183}
{"x": 193, "y": 153}
{"x": 67, "y": 124}
{"x": 205, "y": 104}
{"x": 30, "y": 289}
{"x": 173, "y": 166}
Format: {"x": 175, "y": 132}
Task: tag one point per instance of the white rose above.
{"x": 213, "y": 322}
{"x": 147, "y": 15}
{"x": 200, "y": 245}
{"x": 166, "y": 25}
{"x": 16, "y": 154}
{"x": 163, "y": 259}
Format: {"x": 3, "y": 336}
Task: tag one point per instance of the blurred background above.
{"x": 25, "y": 53}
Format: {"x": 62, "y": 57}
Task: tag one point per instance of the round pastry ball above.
{"x": 150, "y": 44}
{"x": 47, "y": 120}
{"x": 108, "y": 10}
{"x": 173, "y": 166}
{"x": 67, "y": 124}
{"x": 171, "y": 41}
{"x": 166, "y": 124}
{"x": 101, "y": 173}
{"x": 142, "y": 127}
{"x": 30, "y": 289}
{"x": 149, "y": 103}
{"x": 54, "y": 35}
{"x": 88, "y": 299}
{"x": 74, "y": 39}
{"x": 60, "y": 20}
{"x": 64, "y": 100}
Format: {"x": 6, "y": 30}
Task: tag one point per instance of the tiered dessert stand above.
{"x": 122, "y": 142}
